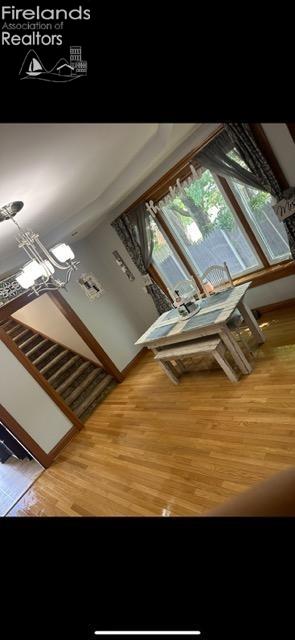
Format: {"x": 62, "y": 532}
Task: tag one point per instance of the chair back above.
{"x": 219, "y": 277}
{"x": 186, "y": 288}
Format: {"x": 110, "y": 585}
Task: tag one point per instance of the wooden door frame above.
{"x": 24, "y": 438}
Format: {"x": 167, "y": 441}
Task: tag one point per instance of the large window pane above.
{"x": 165, "y": 260}
{"x": 270, "y": 232}
{"x": 207, "y": 229}
{"x": 256, "y": 205}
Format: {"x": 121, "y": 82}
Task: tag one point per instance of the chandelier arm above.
{"x": 52, "y": 287}
{"x": 29, "y": 251}
{"x": 40, "y": 259}
{"x": 56, "y": 264}
{"x": 68, "y": 276}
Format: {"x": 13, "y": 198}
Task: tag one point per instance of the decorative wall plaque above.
{"x": 285, "y": 207}
{"x": 90, "y": 285}
{"x": 120, "y": 262}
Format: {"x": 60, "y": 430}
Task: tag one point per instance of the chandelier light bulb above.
{"x": 25, "y": 280}
{"x": 33, "y": 270}
{"x": 63, "y": 252}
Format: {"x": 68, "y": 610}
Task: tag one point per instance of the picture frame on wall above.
{"x": 90, "y": 285}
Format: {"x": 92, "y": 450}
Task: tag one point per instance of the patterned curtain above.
{"x": 134, "y": 231}
{"x": 243, "y": 139}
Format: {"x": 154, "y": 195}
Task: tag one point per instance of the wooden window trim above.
{"x": 158, "y": 280}
{"x": 269, "y": 274}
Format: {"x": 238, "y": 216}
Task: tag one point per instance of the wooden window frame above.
{"x": 268, "y": 272}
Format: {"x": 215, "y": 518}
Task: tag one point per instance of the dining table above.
{"x": 212, "y": 318}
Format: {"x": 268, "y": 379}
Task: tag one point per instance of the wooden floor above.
{"x": 153, "y": 448}
{"x": 16, "y": 476}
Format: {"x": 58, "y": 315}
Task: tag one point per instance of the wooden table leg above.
{"x": 169, "y": 369}
{"x": 228, "y": 370}
{"x": 180, "y": 366}
{"x": 237, "y": 353}
{"x": 251, "y": 322}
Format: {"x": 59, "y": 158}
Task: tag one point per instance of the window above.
{"x": 212, "y": 219}
{"x": 165, "y": 259}
{"x": 208, "y": 230}
{"x": 257, "y": 208}
{"x": 270, "y": 232}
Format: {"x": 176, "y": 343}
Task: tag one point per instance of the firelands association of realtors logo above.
{"x": 44, "y": 28}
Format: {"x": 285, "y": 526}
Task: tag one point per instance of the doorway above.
{"x": 18, "y": 470}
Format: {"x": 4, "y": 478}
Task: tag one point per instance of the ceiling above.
{"x": 70, "y": 175}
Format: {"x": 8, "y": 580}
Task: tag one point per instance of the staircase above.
{"x": 81, "y": 384}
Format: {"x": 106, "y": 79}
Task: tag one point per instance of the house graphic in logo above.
{"x": 76, "y": 61}
{"x": 63, "y": 71}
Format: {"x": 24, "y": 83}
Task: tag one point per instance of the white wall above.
{"x": 284, "y": 148}
{"x": 29, "y": 404}
{"x": 282, "y": 289}
{"x": 43, "y": 315}
{"x": 125, "y": 310}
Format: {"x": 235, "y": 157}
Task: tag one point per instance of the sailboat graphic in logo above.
{"x": 35, "y": 68}
{"x": 63, "y": 71}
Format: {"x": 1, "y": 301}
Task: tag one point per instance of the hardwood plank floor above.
{"x": 16, "y": 476}
{"x": 153, "y": 448}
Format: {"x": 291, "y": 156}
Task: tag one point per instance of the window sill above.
{"x": 268, "y": 274}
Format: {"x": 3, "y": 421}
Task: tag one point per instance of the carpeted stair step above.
{"x": 81, "y": 387}
{"x": 62, "y": 369}
{"x": 37, "y": 346}
{"x": 98, "y": 400}
{"x": 98, "y": 389}
{"x": 54, "y": 362}
{"x": 16, "y": 326}
{"x": 29, "y": 341}
{"x": 21, "y": 335}
{"x": 5, "y": 323}
{"x": 45, "y": 354}
{"x": 63, "y": 386}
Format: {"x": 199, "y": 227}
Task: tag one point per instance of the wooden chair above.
{"x": 219, "y": 277}
{"x": 204, "y": 346}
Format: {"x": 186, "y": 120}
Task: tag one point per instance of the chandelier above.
{"x": 38, "y": 274}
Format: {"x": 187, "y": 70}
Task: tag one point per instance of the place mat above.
{"x": 157, "y": 332}
{"x": 207, "y": 319}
